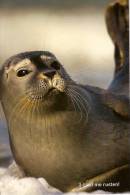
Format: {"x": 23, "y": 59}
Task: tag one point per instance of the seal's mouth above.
{"x": 52, "y": 91}
{"x": 42, "y": 95}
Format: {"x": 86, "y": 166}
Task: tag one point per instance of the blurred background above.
{"x": 74, "y": 30}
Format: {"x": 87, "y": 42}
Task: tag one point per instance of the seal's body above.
{"x": 58, "y": 129}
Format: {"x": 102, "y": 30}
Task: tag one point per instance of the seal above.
{"x": 59, "y": 129}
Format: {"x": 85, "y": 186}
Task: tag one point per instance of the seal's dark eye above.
{"x": 22, "y": 73}
{"x": 55, "y": 65}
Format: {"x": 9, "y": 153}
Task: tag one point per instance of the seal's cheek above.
{"x": 13, "y": 87}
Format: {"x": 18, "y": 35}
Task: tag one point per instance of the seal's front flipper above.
{"x": 118, "y": 103}
{"x": 116, "y": 180}
{"x": 118, "y": 28}
{"x": 117, "y": 20}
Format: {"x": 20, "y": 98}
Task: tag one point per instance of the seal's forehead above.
{"x": 23, "y": 59}
{"x": 48, "y": 59}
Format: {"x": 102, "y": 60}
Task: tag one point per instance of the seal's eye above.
{"x": 55, "y": 65}
{"x": 22, "y": 73}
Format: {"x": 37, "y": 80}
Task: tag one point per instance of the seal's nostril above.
{"x": 49, "y": 73}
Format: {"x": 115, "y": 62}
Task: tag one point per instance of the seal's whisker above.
{"x": 80, "y": 90}
{"x": 16, "y": 108}
{"x": 71, "y": 98}
{"x": 31, "y": 115}
{"x": 45, "y": 124}
{"x": 77, "y": 103}
{"x": 83, "y": 105}
{"x": 80, "y": 97}
{"x": 39, "y": 120}
{"x": 81, "y": 101}
{"x": 69, "y": 93}
{"x": 50, "y": 130}
{"x": 21, "y": 109}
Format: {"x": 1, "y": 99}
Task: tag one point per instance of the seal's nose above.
{"x": 49, "y": 73}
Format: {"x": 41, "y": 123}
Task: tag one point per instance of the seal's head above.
{"x": 33, "y": 84}
{"x": 34, "y": 76}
